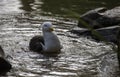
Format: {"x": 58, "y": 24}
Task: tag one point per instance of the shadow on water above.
{"x": 26, "y": 5}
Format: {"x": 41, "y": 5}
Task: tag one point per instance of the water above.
{"x": 53, "y": 7}
{"x": 80, "y": 57}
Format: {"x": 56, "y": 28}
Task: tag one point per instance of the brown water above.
{"x": 80, "y": 56}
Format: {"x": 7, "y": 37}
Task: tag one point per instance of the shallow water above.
{"x": 80, "y": 56}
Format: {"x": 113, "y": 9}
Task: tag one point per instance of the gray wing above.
{"x": 35, "y": 43}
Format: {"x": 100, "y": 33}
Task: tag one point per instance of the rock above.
{"x": 109, "y": 33}
{"x": 90, "y": 17}
{"x": 5, "y": 66}
{"x": 98, "y": 18}
{"x": 80, "y": 31}
{"x": 105, "y": 21}
{"x": 2, "y": 54}
{"x": 115, "y": 12}
{"x": 118, "y": 40}
{"x": 94, "y": 14}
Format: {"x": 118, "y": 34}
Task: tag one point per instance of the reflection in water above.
{"x": 53, "y": 7}
{"x": 27, "y": 5}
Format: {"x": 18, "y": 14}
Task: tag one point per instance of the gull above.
{"x": 48, "y": 42}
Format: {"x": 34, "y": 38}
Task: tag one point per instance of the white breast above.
{"x": 52, "y": 42}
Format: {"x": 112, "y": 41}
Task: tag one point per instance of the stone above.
{"x": 109, "y": 33}
{"x": 5, "y": 65}
{"x": 98, "y": 18}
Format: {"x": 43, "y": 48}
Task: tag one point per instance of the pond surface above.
{"x": 80, "y": 56}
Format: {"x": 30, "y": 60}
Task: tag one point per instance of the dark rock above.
{"x": 5, "y": 66}
{"x": 90, "y": 17}
{"x": 94, "y": 14}
{"x": 80, "y": 31}
{"x": 109, "y": 33}
{"x": 97, "y": 18}
{"x": 105, "y": 21}
{"x": 2, "y": 54}
{"x": 118, "y": 40}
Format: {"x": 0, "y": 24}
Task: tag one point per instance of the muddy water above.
{"x": 80, "y": 56}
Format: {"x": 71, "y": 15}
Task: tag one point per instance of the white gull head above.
{"x": 47, "y": 27}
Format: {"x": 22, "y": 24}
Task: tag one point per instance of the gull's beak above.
{"x": 51, "y": 29}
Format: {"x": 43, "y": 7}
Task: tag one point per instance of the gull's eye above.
{"x": 45, "y": 25}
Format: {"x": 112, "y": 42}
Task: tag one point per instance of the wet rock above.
{"x": 105, "y": 21}
{"x": 109, "y": 33}
{"x": 98, "y": 18}
{"x": 118, "y": 50}
{"x": 80, "y": 31}
{"x": 5, "y": 66}
{"x": 2, "y": 54}
{"x": 94, "y": 14}
{"x": 115, "y": 12}
{"x": 91, "y": 16}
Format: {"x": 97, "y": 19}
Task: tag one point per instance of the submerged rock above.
{"x": 5, "y": 66}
